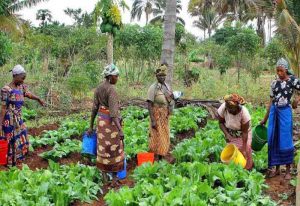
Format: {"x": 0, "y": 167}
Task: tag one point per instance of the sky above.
{"x": 57, "y": 8}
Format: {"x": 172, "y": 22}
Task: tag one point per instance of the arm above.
{"x": 29, "y": 95}
{"x": 2, "y": 114}
{"x": 263, "y": 122}
{"x": 94, "y": 112}
{"x": 224, "y": 129}
{"x": 245, "y": 130}
{"x": 150, "y": 108}
{"x": 114, "y": 109}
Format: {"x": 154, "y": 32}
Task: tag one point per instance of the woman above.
{"x": 13, "y": 128}
{"x": 279, "y": 113}
{"x": 110, "y": 147}
{"x": 160, "y": 102}
{"x": 235, "y": 122}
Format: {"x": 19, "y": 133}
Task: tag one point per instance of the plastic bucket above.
{"x": 145, "y": 157}
{"x": 89, "y": 144}
{"x": 3, "y": 152}
{"x": 259, "y": 137}
{"x": 232, "y": 153}
{"x": 122, "y": 174}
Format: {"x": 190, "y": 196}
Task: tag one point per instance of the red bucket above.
{"x": 3, "y": 152}
{"x": 145, "y": 157}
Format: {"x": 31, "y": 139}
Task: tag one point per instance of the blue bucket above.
{"x": 122, "y": 174}
{"x": 89, "y": 144}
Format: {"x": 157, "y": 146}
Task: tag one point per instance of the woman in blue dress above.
{"x": 280, "y": 126}
{"x": 13, "y": 128}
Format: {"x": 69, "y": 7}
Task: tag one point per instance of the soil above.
{"x": 34, "y": 161}
{"x": 39, "y": 130}
{"x": 281, "y": 191}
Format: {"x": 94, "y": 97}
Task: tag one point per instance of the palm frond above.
{"x": 18, "y": 5}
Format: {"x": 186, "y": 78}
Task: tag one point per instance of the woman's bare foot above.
{"x": 287, "y": 176}
{"x": 272, "y": 173}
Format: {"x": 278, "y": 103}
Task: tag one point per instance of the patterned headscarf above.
{"x": 110, "y": 69}
{"x": 285, "y": 64}
{"x": 234, "y": 99}
{"x": 18, "y": 69}
{"x": 162, "y": 70}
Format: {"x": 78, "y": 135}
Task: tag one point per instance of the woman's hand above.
{"x": 263, "y": 122}
{"x": 244, "y": 150}
{"x": 42, "y": 103}
{"x": 121, "y": 135}
{"x": 153, "y": 124}
{"x": 90, "y": 131}
{"x": 228, "y": 138}
{"x": 295, "y": 104}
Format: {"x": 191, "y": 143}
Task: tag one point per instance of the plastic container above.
{"x": 145, "y": 157}
{"x": 123, "y": 173}
{"x": 89, "y": 144}
{"x": 232, "y": 153}
{"x": 3, "y": 152}
{"x": 259, "y": 137}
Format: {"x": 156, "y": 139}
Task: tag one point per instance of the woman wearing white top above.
{"x": 235, "y": 122}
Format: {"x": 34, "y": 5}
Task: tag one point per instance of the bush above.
{"x": 5, "y": 48}
{"x": 273, "y": 51}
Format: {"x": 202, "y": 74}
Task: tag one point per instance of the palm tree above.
{"x": 209, "y": 20}
{"x": 44, "y": 15}
{"x": 288, "y": 24}
{"x": 159, "y": 11}
{"x": 9, "y": 21}
{"x": 168, "y": 47}
{"x": 202, "y": 25}
{"x": 140, "y": 6}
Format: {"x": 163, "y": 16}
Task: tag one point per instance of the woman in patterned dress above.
{"x": 160, "y": 99}
{"x": 235, "y": 122}
{"x": 279, "y": 113}
{"x": 110, "y": 147}
{"x": 13, "y": 127}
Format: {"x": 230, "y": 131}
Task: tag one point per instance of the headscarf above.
{"x": 285, "y": 64}
{"x": 234, "y": 100}
{"x": 18, "y": 69}
{"x": 110, "y": 69}
{"x": 162, "y": 70}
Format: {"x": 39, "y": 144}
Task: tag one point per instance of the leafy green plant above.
{"x": 28, "y": 114}
{"x": 62, "y": 150}
{"x": 56, "y": 185}
{"x": 5, "y": 48}
{"x": 69, "y": 128}
{"x": 192, "y": 184}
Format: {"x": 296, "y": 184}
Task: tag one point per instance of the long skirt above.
{"x": 239, "y": 143}
{"x": 159, "y": 139}
{"x": 16, "y": 135}
{"x": 110, "y": 149}
{"x": 280, "y": 136}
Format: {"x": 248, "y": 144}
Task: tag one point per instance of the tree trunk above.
{"x": 270, "y": 28}
{"x": 110, "y": 49}
{"x": 45, "y": 62}
{"x": 261, "y": 29}
{"x": 147, "y": 18}
{"x": 209, "y": 33}
{"x": 204, "y": 31}
{"x": 168, "y": 47}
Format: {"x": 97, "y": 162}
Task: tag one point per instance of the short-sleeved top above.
{"x": 106, "y": 95}
{"x": 282, "y": 91}
{"x": 234, "y": 122}
{"x": 156, "y": 94}
{"x": 7, "y": 96}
